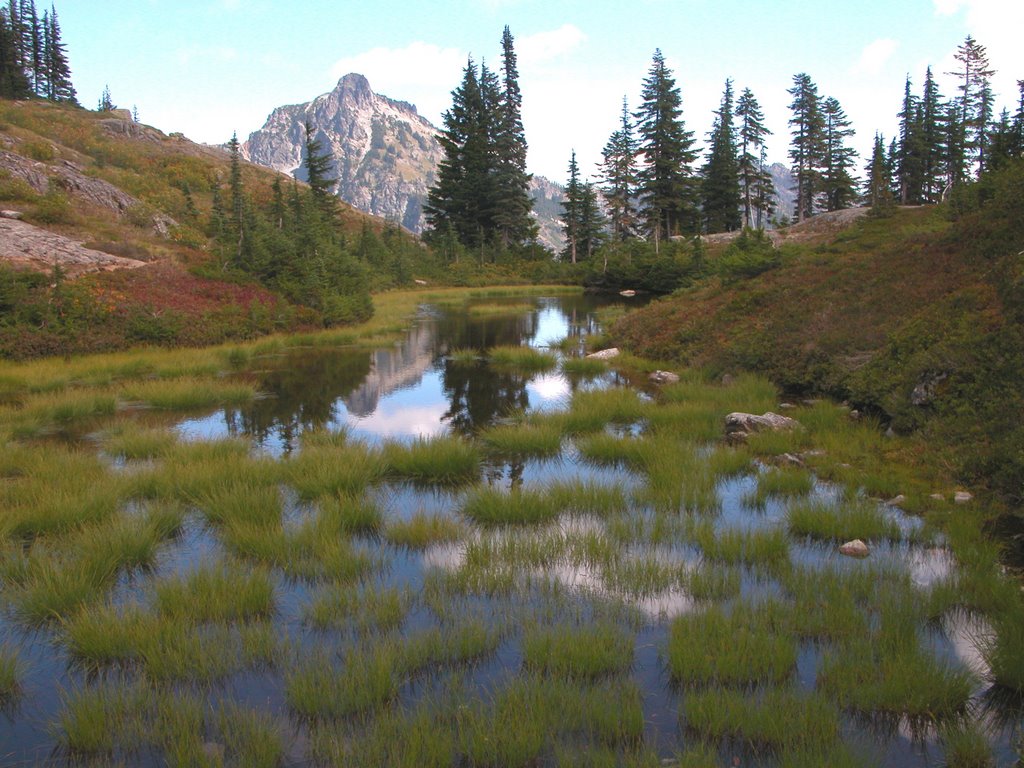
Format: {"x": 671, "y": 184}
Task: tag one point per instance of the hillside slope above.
{"x": 914, "y": 317}
{"x": 86, "y": 195}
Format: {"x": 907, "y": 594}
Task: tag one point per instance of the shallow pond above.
{"x": 617, "y": 549}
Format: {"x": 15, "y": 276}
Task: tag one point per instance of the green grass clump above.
{"x": 639, "y": 576}
{"x": 880, "y": 675}
{"x": 605, "y": 450}
{"x": 422, "y": 530}
{"x": 757, "y": 548}
{"x": 343, "y": 607}
{"x": 96, "y": 720}
{"x": 49, "y": 587}
{"x": 186, "y": 394}
{"x": 441, "y": 461}
{"x": 1004, "y": 651}
{"x": 775, "y": 719}
{"x": 221, "y": 592}
{"x": 583, "y": 367}
{"x": 748, "y": 645}
{"x": 841, "y": 521}
{"x": 964, "y": 746}
{"x": 251, "y": 738}
{"x": 583, "y": 497}
{"x": 339, "y": 470}
{"x": 521, "y": 359}
{"x": 132, "y": 442}
{"x": 780, "y": 484}
{"x": 712, "y": 584}
{"x": 346, "y": 515}
{"x": 541, "y": 440}
{"x": 464, "y": 357}
{"x": 592, "y": 411}
{"x": 12, "y": 670}
{"x": 578, "y": 652}
{"x": 490, "y": 507}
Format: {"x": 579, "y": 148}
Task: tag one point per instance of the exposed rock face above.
{"x": 385, "y": 153}
{"x": 71, "y": 179}
{"x": 28, "y": 246}
{"x": 739, "y": 425}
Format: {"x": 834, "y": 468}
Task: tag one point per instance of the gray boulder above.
{"x": 739, "y": 425}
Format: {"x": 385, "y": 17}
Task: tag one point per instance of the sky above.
{"x": 210, "y": 68}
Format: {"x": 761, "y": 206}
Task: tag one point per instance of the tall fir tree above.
{"x": 974, "y": 103}
{"x": 572, "y": 207}
{"x": 512, "y": 182}
{"x": 319, "y": 164}
{"x": 13, "y": 82}
{"x": 909, "y": 170}
{"x": 806, "y": 147}
{"x": 720, "y": 186}
{"x": 592, "y": 223}
{"x": 931, "y": 141}
{"x": 106, "y": 104}
{"x": 619, "y": 174}
{"x": 666, "y": 180}
{"x": 752, "y": 134}
{"x": 58, "y": 71}
{"x": 878, "y": 181}
{"x": 838, "y": 185}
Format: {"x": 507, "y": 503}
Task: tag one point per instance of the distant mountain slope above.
{"x": 386, "y": 154}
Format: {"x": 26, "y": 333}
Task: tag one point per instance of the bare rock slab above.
{"x": 664, "y": 377}
{"x": 739, "y": 425}
{"x": 604, "y": 354}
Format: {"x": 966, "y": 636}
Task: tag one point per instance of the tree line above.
{"x": 33, "y": 58}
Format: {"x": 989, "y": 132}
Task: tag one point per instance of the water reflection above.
{"x": 411, "y": 389}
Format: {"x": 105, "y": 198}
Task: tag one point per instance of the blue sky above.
{"x": 207, "y": 68}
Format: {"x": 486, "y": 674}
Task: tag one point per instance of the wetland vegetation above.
{"x": 466, "y": 545}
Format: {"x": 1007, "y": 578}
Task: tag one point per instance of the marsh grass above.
{"x": 746, "y": 392}
{"x": 464, "y": 358}
{"x": 964, "y": 746}
{"x": 96, "y": 720}
{"x": 1004, "y": 651}
{"x": 774, "y": 719}
{"x": 711, "y": 584}
{"x": 880, "y": 675}
{"x": 588, "y": 653}
{"x": 728, "y": 462}
{"x": 132, "y": 442}
{"x": 215, "y": 592}
{"x": 606, "y": 450}
{"x": 541, "y": 440}
{"x": 780, "y": 484}
{"x": 251, "y": 738}
{"x": 522, "y": 360}
{"x": 186, "y": 394}
{"x": 643, "y": 576}
{"x": 345, "y": 515}
{"x": 41, "y": 413}
{"x": 345, "y": 470}
{"x": 492, "y": 507}
{"x": 423, "y": 530}
{"x": 48, "y": 589}
{"x": 841, "y": 521}
{"x": 370, "y": 608}
{"x": 748, "y": 645}
{"x": 325, "y": 438}
{"x": 584, "y": 497}
{"x": 448, "y": 462}
{"x": 583, "y": 367}
{"x": 592, "y": 411}
{"x": 767, "y": 548}
{"x": 692, "y": 420}
{"x": 12, "y": 672}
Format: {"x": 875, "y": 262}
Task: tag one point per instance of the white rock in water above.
{"x": 855, "y": 548}
{"x": 664, "y": 377}
{"x": 605, "y": 354}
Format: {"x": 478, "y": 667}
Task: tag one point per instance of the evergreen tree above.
{"x": 878, "y": 189}
{"x": 13, "y": 83}
{"x": 1018, "y": 122}
{"x": 592, "y": 223}
{"x": 837, "y": 182}
{"x": 974, "y": 102}
{"x": 572, "y": 208}
{"x": 752, "y": 134}
{"x": 58, "y": 71}
{"x": 931, "y": 141}
{"x": 909, "y": 175}
{"x": 318, "y": 164}
{"x": 955, "y": 143}
{"x": 721, "y": 186}
{"x": 666, "y": 183}
{"x": 763, "y": 199}
{"x": 806, "y": 148}
{"x": 512, "y": 182}
{"x": 106, "y": 104}
{"x": 619, "y": 173}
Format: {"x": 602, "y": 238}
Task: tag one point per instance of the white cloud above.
{"x": 544, "y": 46}
{"x": 875, "y": 56}
{"x": 421, "y": 73}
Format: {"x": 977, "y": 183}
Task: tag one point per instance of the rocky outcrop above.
{"x": 604, "y": 354}
{"x": 664, "y": 377}
{"x": 26, "y": 246}
{"x": 739, "y": 425}
{"x": 71, "y": 179}
{"x": 385, "y": 154}
{"x": 855, "y": 548}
